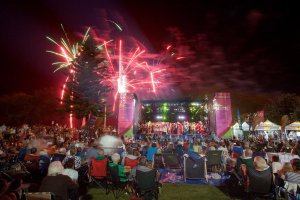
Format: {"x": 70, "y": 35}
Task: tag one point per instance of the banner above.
{"x": 223, "y": 116}
{"x": 125, "y": 116}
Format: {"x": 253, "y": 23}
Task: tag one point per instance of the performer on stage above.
{"x": 180, "y": 128}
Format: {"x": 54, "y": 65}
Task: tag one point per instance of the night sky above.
{"x": 226, "y": 45}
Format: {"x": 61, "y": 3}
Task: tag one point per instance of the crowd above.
{"x": 179, "y": 127}
{"x": 57, "y": 159}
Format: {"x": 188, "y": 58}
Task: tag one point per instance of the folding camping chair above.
{"x": 194, "y": 168}
{"x": 157, "y": 162}
{"x": 131, "y": 162}
{"x": 171, "y": 161}
{"x": 114, "y": 183}
{"x": 214, "y": 160}
{"x": 97, "y": 172}
{"x": 146, "y": 185}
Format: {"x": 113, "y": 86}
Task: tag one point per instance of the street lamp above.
{"x": 104, "y": 121}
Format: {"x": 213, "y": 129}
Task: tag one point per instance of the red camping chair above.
{"x": 97, "y": 172}
{"x": 131, "y": 162}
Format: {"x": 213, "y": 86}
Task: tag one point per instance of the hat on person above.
{"x": 44, "y": 153}
{"x": 62, "y": 150}
{"x": 55, "y": 168}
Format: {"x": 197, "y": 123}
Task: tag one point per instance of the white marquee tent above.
{"x": 267, "y": 126}
{"x": 245, "y": 126}
{"x": 295, "y": 126}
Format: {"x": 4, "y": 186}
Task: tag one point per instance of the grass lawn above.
{"x": 172, "y": 192}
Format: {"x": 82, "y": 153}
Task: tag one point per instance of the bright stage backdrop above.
{"x": 125, "y": 116}
{"x": 174, "y": 111}
{"x": 223, "y": 115}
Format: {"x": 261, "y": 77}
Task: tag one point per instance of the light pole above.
{"x": 105, "y": 111}
{"x": 104, "y": 125}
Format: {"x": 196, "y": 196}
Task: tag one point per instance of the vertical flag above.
{"x": 239, "y": 118}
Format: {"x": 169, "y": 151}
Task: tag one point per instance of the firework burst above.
{"x": 128, "y": 71}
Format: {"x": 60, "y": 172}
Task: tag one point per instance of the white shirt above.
{"x": 276, "y": 166}
{"x": 72, "y": 173}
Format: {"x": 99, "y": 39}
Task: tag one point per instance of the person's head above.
{"x": 136, "y": 152}
{"x": 248, "y": 152}
{"x": 246, "y": 144}
{"x": 116, "y": 158}
{"x": 143, "y": 161}
{"x": 153, "y": 144}
{"x": 44, "y": 153}
{"x": 95, "y": 144}
{"x": 33, "y": 150}
{"x": 62, "y": 150}
{"x": 260, "y": 163}
{"x": 70, "y": 164}
{"x": 287, "y": 167}
{"x": 171, "y": 145}
{"x": 101, "y": 152}
{"x": 222, "y": 144}
{"x": 295, "y": 164}
{"x": 275, "y": 158}
{"x": 55, "y": 168}
{"x": 130, "y": 150}
{"x": 73, "y": 151}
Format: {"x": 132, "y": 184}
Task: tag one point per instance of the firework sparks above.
{"x": 66, "y": 50}
{"x": 69, "y": 53}
{"x": 128, "y": 71}
{"x": 117, "y": 25}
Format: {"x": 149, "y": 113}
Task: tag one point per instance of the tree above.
{"x": 37, "y": 108}
{"x": 85, "y": 94}
{"x": 285, "y": 104}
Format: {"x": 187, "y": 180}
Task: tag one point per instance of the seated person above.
{"x": 246, "y": 159}
{"x": 60, "y": 155}
{"x": 44, "y": 162}
{"x": 32, "y": 160}
{"x": 130, "y": 159}
{"x": 238, "y": 149}
{"x": 22, "y": 151}
{"x": 287, "y": 167}
{"x": 259, "y": 151}
{"x": 101, "y": 154}
{"x": 142, "y": 166}
{"x": 72, "y": 155}
{"x": 292, "y": 179}
{"x": 57, "y": 183}
{"x": 70, "y": 170}
{"x": 276, "y": 165}
{"x": 115, "y": 162}
{"x": 170, "y": 148}
{"x": 260, "y": 179}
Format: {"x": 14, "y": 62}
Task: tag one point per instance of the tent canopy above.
{"x": 245, "y": 126}
{"x": 295, "y": 126}
{"x": 267, "y": 126}
{"x": 236, "y": 126}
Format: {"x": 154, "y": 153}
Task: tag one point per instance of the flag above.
{"x": 239, "y": 118}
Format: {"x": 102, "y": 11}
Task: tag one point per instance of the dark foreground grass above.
{"x": 172, "y": 192}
